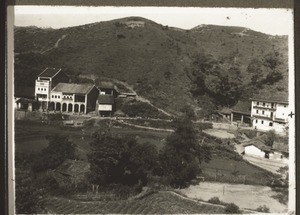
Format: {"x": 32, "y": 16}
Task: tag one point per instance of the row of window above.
{"x": 55, "y": 96}
{"x": 262, "y": 122}
{"x": 264, "y": 104}
{"x": 42, "y": 89}
{"x": 262, "y": 112}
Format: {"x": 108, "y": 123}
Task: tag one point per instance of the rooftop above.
{"x": 265, "y": 95}
{"x": 49, "y": 72}
{"x": 106, "y": 85}
{"x": 73, "y": 88}
{"x": 242, "y": 107}
{"x": 106, "y": 99}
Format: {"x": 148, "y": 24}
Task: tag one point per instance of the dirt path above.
{"x": 129, "y": 87}
{"x": 55, "y": 45}
{"x": 245, "y": 196}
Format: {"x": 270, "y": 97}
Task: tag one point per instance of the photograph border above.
{"x": 180, "y": 3}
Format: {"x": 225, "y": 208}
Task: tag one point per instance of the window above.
{"x": 58, "y": 96}
{"x": 257, "y": 103}
{"x": 55, "y": 96}
{"x": 264, "y": 104}
{"x": 263, "y": 112}
{"x": 256, "y": 121}
{"x": 256, "y": 111}
{"x": 52, "y": 96}
{"x": 271, "y": 124}
{"x": 284, "y": 106}
{"x": 38, "y": 88}
{"x": 262, "y": 122}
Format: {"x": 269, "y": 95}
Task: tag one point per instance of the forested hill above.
{"x": 206, "y": 66}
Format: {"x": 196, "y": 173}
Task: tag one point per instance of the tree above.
{"x": 182, "y": 155}
{"x": 58, "y": 150}
{"x": 120, "y": 160}
{"x": 27, "y": 196}
{"x": 270, "y": 138}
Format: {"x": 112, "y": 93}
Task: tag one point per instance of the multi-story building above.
{"x": 269, "y": 114}
{"x": 75, "y": 98}
{"x": 45, "y": 82}
{"x": 53, "y": 92}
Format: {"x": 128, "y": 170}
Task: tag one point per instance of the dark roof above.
{"x": 49, "y": 72}
{"x": 106, "y": 85}
{"x": 73, "y": 88}
{"x": 242, "y": 107}
{"x": 26, "y": 101}
{"x": 225, "y": 110}
{"x": 259, "y": 143}
{"x": 24, "y": 92}
{"x": 106, "y": 99}
{"x": 268, "y": 96}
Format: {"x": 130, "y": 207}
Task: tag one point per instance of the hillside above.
{"x": 157, "y": 61}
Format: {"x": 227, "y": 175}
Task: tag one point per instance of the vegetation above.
{"x": 232, "y": 208}
{"x": 136, "y": 108}
{"x": 263, "y": 208}
{"x": 163, "y": 70}
{"x": 27, "y": 195}
{"x": 58, "y": 150}
{"x": 182, "y": 155}
{"x": 120, "y": 160}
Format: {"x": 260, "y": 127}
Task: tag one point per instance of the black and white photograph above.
{"x": 151, "y": 110}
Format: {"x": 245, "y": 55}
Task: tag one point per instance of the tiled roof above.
{"x": 266, "y": 95}
{"x": 26, "y": 101}
{"x": 73, "y": 88}
{"x": 106, "y": 85}
{"x": 242, "y": 107}
{"x": 259, "y": 143}
{"x": 49, "y": 72}
{"x": 106, "y": 99}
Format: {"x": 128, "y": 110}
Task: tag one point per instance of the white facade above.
{"x": 252, "y": 150}
{"x": 269, "y": 115}
{"x": 42, "y": 89}
{"x": 105, "y": 107}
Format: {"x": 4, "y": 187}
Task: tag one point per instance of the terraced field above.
{"x": 162, "y": 202}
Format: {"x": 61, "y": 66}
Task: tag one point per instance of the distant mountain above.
{"x": 157, "y": 61}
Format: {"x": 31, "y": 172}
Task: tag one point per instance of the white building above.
{"x": 53, "y": 92}
{"x": 45, "y": 82}
{"x": 269, "y": 115}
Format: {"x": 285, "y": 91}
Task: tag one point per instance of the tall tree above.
{"x": 182, "y": 155}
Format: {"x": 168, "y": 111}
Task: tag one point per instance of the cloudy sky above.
{"x": 269, "y": 21}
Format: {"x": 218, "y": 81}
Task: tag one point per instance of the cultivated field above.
{"x": 162, "y": 202}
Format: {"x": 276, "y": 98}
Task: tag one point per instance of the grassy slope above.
{"x": 154, "y": 59}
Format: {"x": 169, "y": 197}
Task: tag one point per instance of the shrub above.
{"x": 263, "y": 208}
{"x": 214, "y": 200}
{"x": 232, "y": 208}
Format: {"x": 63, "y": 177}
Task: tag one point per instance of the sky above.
{"x": 269, "y": 21}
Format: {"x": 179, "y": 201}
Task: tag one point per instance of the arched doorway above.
{"x": 58, "y": 106}
{"x": 70, "y": 107}
{"x": 76, "y": 108}
{"x": 64, "y": 107}
{"x": 51, "y": 106}
{"x": 82, "y": 108}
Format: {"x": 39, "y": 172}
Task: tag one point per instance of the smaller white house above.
{"x": 105, "y": 104}
{"x": 257, "y": 148}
